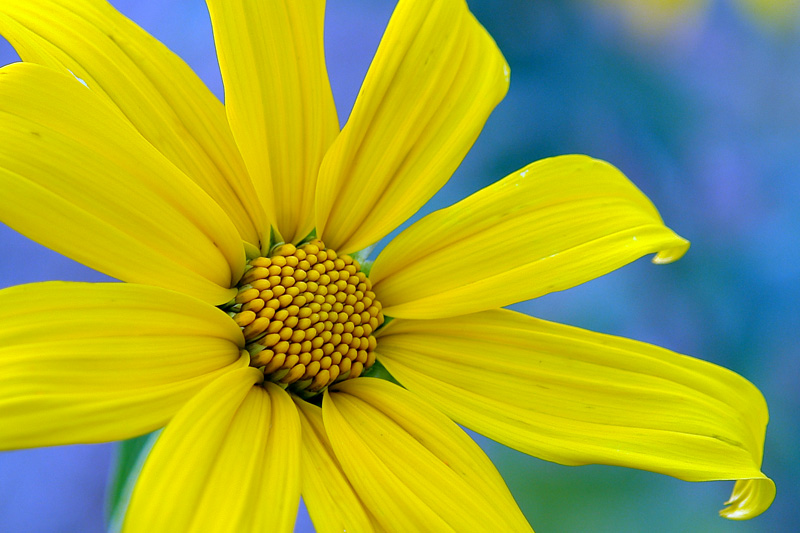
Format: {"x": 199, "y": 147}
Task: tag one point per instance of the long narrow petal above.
{"x": 577, "y": 397}
{"x": 435, "y": 78}
{"x": 413, "y": 467}
{"x": 83, "y": 363}
{"x": 278, "y": 495}
{"x": 152, "y": 87}
{"x": 80, "y": 180}
{"x": 228, "y": 461}
{"x": 554, "y": 224}
{"x": 278, "y": 99}
{"x": 331, "y": 500}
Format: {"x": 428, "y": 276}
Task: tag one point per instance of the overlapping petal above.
{"x": 82, "y": 363}
{"x": 80, "y": 180}
{"x": 435, "y": 78}
{"x": 554, "y": 224}
{"x": 152, "y": 87}
{"x": 228, "y": 461}
{"x": 578, "y": 397}
{"x": 413, "y": 467}
{"x": 278, "y": 100}
{"x": 331, "y": 500}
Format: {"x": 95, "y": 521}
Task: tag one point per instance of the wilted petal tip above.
{"x": 750, "y": 498}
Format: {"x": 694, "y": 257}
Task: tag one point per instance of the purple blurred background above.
{"x": 704, "y": 116}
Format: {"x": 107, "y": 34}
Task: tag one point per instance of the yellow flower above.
{"x": 662, "y": 16}
{"x": 251, "y": 355}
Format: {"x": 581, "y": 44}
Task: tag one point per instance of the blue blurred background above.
{"x": 701, "y": 111}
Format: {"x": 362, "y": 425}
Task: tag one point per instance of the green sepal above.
{"x": 250, "y": 251}
{"x": 130, "y": 458}
{"x": 377, "y": 370}
{"x": 362, "y": 255}
{"x": 268, "y": 244}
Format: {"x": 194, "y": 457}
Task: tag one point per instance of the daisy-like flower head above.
{"x": 249, "y": 322}
{"x": 661, "y": 16}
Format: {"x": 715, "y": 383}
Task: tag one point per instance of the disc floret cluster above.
{"x": 308, "y": 316}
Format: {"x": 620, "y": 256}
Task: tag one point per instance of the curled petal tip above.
{"x": 671, "y": 254}
{"x": 750, "y": 498}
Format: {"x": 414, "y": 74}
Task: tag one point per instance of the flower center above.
{"x": 308, "y": 316}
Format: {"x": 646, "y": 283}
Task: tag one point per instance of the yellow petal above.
{"x": 577, "y": 397}
{"x": 332, "y": 502}
{"x": 411, "y": 465}
{"x": 149, "y": 85}
{"x": 228, "y": 461}
{"x": 80, "y": 180}
{"x": 435, "y": 78}
{"x": 554, "y": 224}
{"x": 280, "y": 472}
{"x": 83, "y": 363}
{"x": 278, "y": 100}
{"x": 750, "y": 498}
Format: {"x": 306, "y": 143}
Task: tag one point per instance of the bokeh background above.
{"x": 699, "y": 107}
